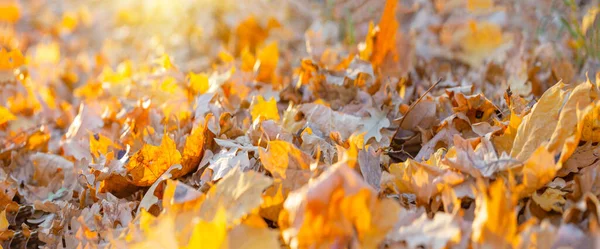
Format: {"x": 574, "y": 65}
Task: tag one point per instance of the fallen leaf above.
{"x": 147, "y": 164}
{"x": 237, "y": 194}
{"x": 337, "y": 207}
{"x": 550, "y": 200}
{"x": 265, "y": 109}
{"x": 434, "y": 233}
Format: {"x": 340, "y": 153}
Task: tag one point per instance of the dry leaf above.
{"x": 434, "y": 233}
{"x": 337, "y": 207}
{"x": 146, "y": 165}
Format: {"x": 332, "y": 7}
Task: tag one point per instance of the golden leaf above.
{"x": 424, "y": 180}
{"x": 99, "y": 144}
{"x": 198, "y": 83}
{"x": 580, "y": 97}
{"x": 538, "y": 125}
{"x": 290, "y": 168}
{"x": 6, "y": 115}
{"x": 337, "y": 207}
{"x": 538, "y": 170}
{"x": 265, "y": 109}
{"x": 3, "y": 221}
{"x": 250, "y": 34}
{"x": 9, "y": 12}
{"x": 267, "y": 59}
{"x": 591, "y": 124}
{"x": 550, "y": 200}
{"x": 385, "y": 42}
{"x": 237, "y": 194}
{"x": 495, "y": 223}
{"x": 504, "y": 142}
{"x": 146, "y": 165}
{"x": 210, "y": 234}
{"x": 193, "y": 150}
{"x": 474, "y": 5}
{"x": 247, "y": 237}
{"x": 10, "y": 60}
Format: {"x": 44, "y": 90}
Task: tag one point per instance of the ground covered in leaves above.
{"x": 299, "y": 124}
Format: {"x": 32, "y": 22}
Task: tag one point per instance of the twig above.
{"x": 412, "y": 106}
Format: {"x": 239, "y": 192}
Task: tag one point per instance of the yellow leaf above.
{"x": 6, "y": 115}
{"x": 336, "y": 208}
{"x": 247, "y": 237}
{"x": 421, "y": 179}
{"x": 267, "y": 59}
{"x": 385, "y": 42}
{"x": 69, "y": 21}
{"x": 193, "y": 149}
{"x": 248, "y": 61}
{"x": 550, "y": 200}
{"x": 99, "y": 144}
{"x": 165, "y": 62}
{"x": 290, "y": 168}
{"x": 483, "y": 37}
{"x": 150, "y": 162}
{"x": 237, "y": 194}
{"x": 3, "y": 221}
{"x": 198, "y": 82}
{"x": 10, "y": 60}
{"x": 265, "y": 109}
{"x": 366, "y": 49}
{"x": 210, "y": 234}
{"x": 226, "y": 57}
{"x": 591, "y": 124}
{"x": 473, "y": 5}
{"x": 9, "y": 12}
{"x": 495, "y": 223}
{"x": 504, "y": 142}
{"x": 537, "y": 171}
{"x": 46, "y": 53}
{"x": 539, "y": 125}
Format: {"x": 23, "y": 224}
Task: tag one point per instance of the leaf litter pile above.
{"x": 299, "y": 124}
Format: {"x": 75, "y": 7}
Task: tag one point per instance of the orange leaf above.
{"x": 385, "y": 41}
{"x": 267, "y": 59}
{"x": 149, "y": 163}
{"x": 195, "y": 144}
{"x": 9, "y": 12}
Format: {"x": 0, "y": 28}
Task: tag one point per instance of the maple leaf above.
{"x": 538, "y": 170}
{"x": 495, "y": 223}
{"x": 237, "y": 193}
{"x": 6, "y": 115}
{"x": 290, "y": 168}
{"x": 551, "y": 199}
{"x": 385, "y": 39}
{"x": 337, "y": 207}
{"x": 193, "y": 150}
{"x": 12, "y": 59}
{"x": 538, "y": 125}
{"x": 266, "y": 62}
{"x": 422, "y": 179}
{"x": 198, "y": 83}
{"x": 210, "y": 234}
{"x": 266, "y": 109}
{"x": 147, "y": 164}
{"x": 433, "y": 233}
{"x": 9, "y": 11}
